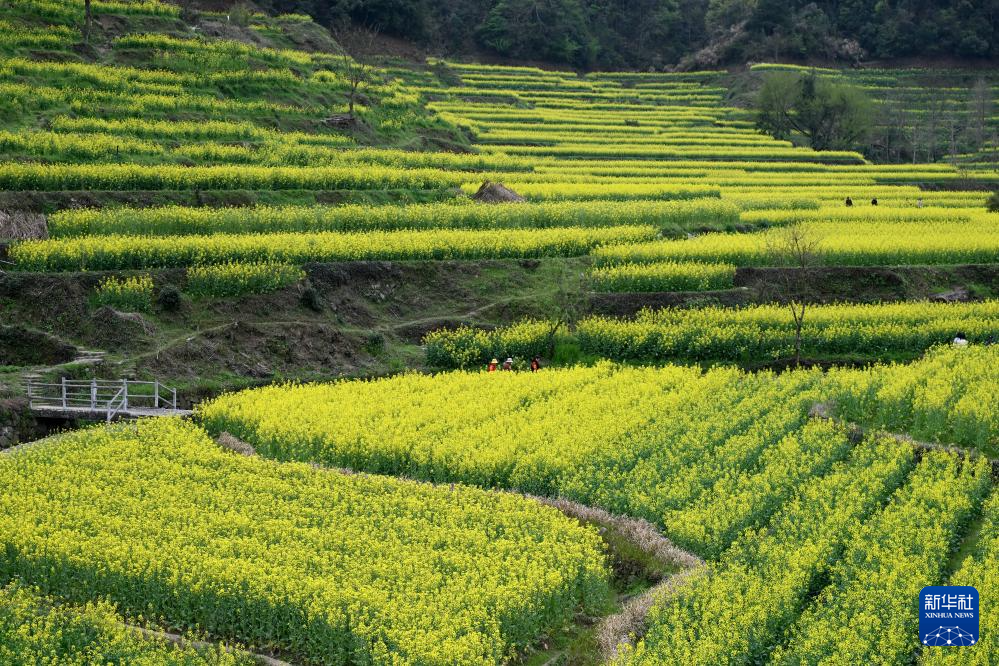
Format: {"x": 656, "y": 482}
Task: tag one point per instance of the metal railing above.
{"x": 111, "y": 397}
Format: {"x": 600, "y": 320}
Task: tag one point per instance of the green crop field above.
{"x": 762, "y": 414}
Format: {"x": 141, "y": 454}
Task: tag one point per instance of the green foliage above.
{"x": 737, "y": 610}
{"x": 831, "y": 116}
{"x": 136, "y": 177}
{"x": 755, "y": 334}
{"x": 724, "y": 461}
{"x": 896, "y": 553}
{"x": 397, "y": 17}
{"x": 980, "y": 570}
{"x": 664, "y": 276}
{"x": 653, "y": 33}
{"x": 328, "y": 568}
{"x": 871, "y": 237}
{"x": 950, "y": 396}
{"x": 555, "y": 30}
{"x": 640, "y": 441}
{"x": 241, "y": 14}
{"x": 180, "y": 220}
{"x": 993, "y": 203}
{"x": 138, "y": 252}
{"x": 285, "y": 78}
{"x": 169, "y": 298}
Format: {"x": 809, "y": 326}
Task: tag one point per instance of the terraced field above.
{"x": 800, "y": 521}
{"x": 662, "y": 137}
{"x": 231, "y": 200}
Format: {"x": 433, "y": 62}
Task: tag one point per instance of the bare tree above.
{"x": 892, "y": 127}
{"x": 796, "y": 250}
{"x": 979, "y": 111}
{"x": 356, "y": 76}
{"x": 569, "y": 304}
{"x": 920, "y": 137}
{"x": 953, "y": 124}
{"x": 351, "y": 69}
{"x": 936, "y": 111}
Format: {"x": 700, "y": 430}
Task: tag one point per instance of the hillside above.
{"x": 276, "y": 86}
{"x": 601, "y": 158}
{"x": 763, "y": 418}
{"x": 690, "y": 34}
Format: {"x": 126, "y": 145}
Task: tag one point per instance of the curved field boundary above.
{"x": 628, "y": 624}
{"x": 857, "y": 431}
{"x": 183, "y": 642}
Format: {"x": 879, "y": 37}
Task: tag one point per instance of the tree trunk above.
{"x": 799, "y": 322}
{"x": 87, "y": 19}
{"x": 551, "y": 338}
{"x": 797, "y": 346}
{"x": 355, "y": 85}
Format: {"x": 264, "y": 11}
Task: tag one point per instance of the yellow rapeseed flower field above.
{"x": 326, "y": 567}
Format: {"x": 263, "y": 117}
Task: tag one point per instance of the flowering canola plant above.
{"x": 766, "y": 331}
{"x": 327, "y": 567}
{"x": 36, "y": 630}
{"x": 122, "y": 252}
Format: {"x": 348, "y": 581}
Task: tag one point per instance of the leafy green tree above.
{"x": 723, "y": 15}
{"x": 655, "y": 33}
{"x": 554, "y": 30}
{"x": 993, "y": 203}
{"x": 831, "y": 116}
{"x": 407, "y": 18}
{"x": 775, "y": 104}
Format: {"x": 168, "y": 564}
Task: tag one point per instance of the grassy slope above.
{"x": 371, "y": 320}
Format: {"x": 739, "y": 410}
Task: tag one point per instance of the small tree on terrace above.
{"x": 795, "y": 249}
{"x": 993, "y": 203}
{"x": 356, "y": 76}
{"x": 569, "y": 304}
{"x": 353, "y": 71}
{"x": 832, "y": 116}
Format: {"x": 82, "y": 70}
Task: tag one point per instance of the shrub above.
{"x": 310, "y": 298}
{"x": 375, "y": 344}
{"x": 169, "y": 298}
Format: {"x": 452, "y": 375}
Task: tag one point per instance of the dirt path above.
{"x": 284, "y": 323}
